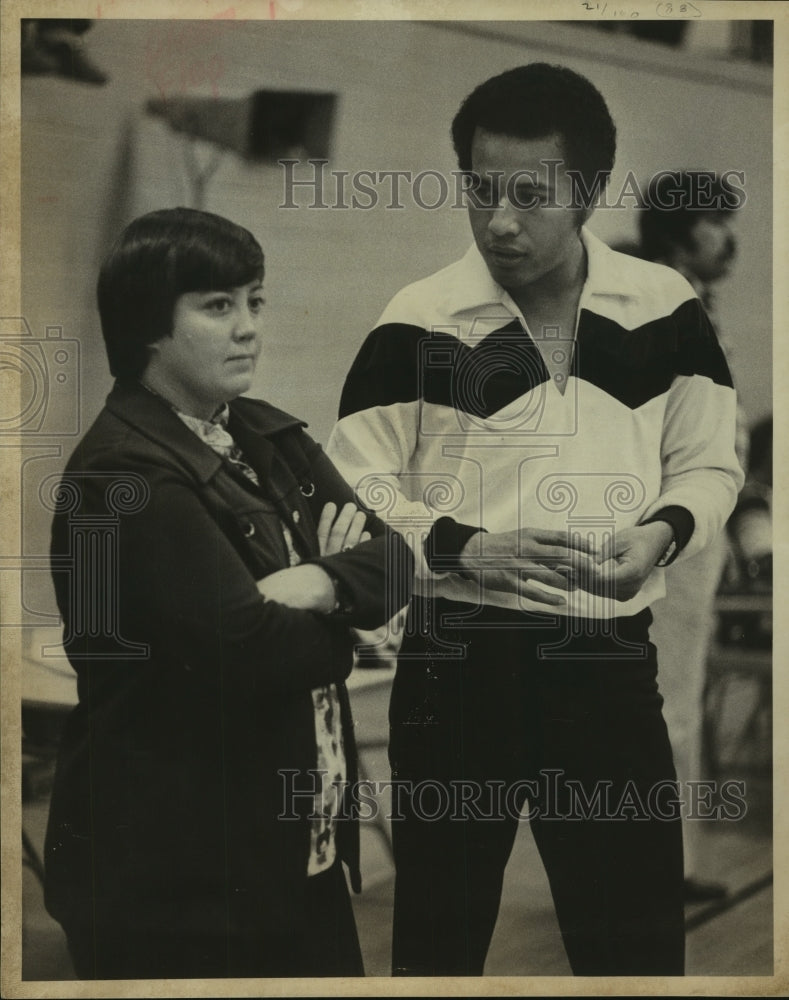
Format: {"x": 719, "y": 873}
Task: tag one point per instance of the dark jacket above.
{"x": 194, "y": 693}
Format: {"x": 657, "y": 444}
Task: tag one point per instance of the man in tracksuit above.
{"x": 549, "y": 423}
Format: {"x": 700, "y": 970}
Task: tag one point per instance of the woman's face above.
{"x": 212, "y": 353}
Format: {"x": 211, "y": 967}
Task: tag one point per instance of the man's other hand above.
{"x": 518, "y": 561}
{"x": 627, "y": 558}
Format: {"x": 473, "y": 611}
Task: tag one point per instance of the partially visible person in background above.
{"x": 686, "y": 223}
{"x": 750, "y": 525}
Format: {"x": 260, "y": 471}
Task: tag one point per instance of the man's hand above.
{"x": 337, "y": 532}
{"x": 627, "y": 559}
{"x": 517, "y": 561}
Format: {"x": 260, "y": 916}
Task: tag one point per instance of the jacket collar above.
{"x": 252, "y": 423}
{"x": 473, "y": 287}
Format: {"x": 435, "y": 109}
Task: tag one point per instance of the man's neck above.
{"x": 557, "y": 291}
{"x": 550, "y": 310}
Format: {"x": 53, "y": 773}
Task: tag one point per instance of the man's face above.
{"x": 520, "y": 215}
{"x": 712, "y": 247}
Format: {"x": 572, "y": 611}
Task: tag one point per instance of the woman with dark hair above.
{"x": 210, "y": 564}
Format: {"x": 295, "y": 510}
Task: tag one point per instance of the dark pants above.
{"x": 575, "y": 733}
{"x": 322, "y": 942}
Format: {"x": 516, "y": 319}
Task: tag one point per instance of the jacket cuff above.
{"x": 343, "y": 597}
{"x": 444, "y": 544}
{"x": 682, "y": 524}
{"x": 372, "y": 581}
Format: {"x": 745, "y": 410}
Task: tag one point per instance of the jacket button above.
{"x": 296, "y": 516}
{"x": 249, "y": 530}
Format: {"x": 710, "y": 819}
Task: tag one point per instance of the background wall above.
{"x": 93, "y": 159}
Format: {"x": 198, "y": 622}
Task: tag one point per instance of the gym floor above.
{"x": 733, "y": 937}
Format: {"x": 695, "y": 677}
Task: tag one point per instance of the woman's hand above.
{"x": 338, "y": 532}
{"x": 305, "y": 587}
